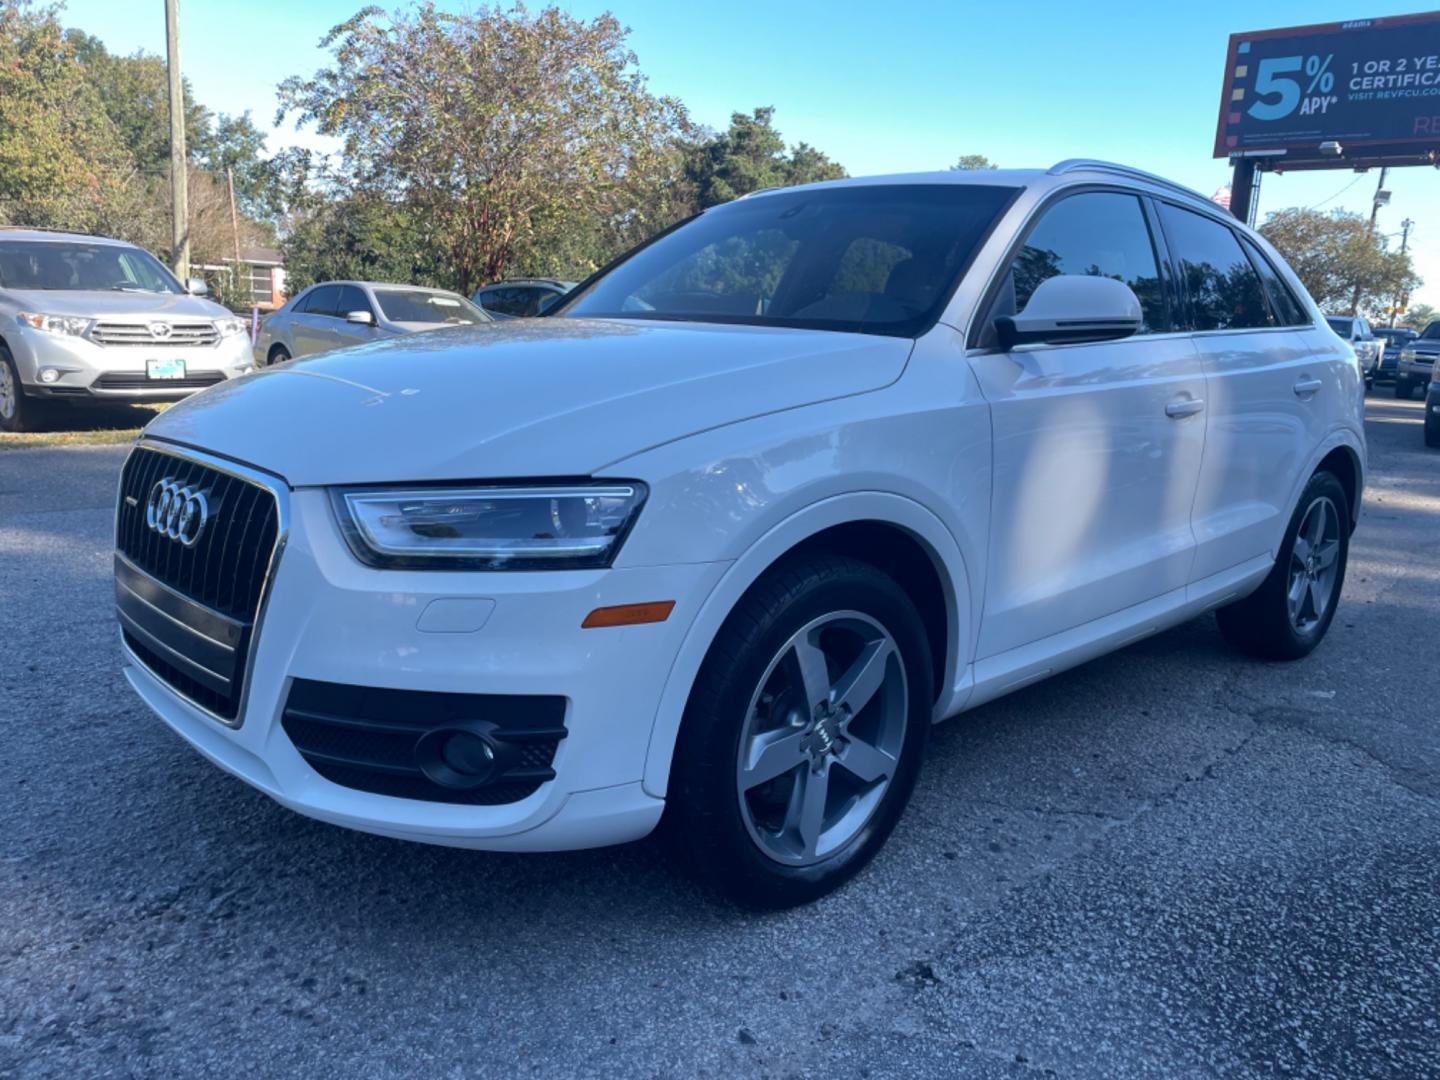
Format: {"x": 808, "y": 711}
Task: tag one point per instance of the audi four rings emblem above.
{"x": 177, "y": 511}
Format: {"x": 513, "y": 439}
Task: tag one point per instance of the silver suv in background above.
{"x": 338, "y": 314}
{"x": 1368, "y": 348}
{"x": 87, "y": 319}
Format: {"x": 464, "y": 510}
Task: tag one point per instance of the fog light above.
{"x": 463, "y": 756}
{"x": 49, "y": 375}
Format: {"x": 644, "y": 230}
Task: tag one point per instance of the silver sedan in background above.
{"x": 338, "y": 314}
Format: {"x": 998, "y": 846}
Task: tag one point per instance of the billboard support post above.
{"x": 1242, "y": 188}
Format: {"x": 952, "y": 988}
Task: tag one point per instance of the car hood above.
{"x": 103, "y": 304}
{"x": 1425, "y": 347}
{"x": 526, "y": 398}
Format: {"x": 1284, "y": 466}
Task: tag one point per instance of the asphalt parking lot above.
{"x": 1171, "y": 862}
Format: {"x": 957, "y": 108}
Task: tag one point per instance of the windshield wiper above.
{"x": 129, "y": 288}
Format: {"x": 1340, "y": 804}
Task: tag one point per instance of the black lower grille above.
{"x": 138, "y": 380}
{"x": 188, "y": 606}
{"x": 369, "y": 738}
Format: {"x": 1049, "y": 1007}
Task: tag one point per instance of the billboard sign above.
{"x": 1368, "y": 82}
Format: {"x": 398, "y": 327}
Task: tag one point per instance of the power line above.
{"x": 1332, "y": 198}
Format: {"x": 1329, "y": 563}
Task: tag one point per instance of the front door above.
{"x": 1097, "y": 446}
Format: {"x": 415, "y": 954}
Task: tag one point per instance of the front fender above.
{"x": 883, "y": 507}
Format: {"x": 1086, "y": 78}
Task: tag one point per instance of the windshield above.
{"x": 62, "y": 266}
{"x": 417, "y": 306}
{"x": 1340, "y": 326}
{"x": 1432, "y": 332}
{"x": 877, "y": 259}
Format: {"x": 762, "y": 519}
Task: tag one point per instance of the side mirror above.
{"x": 1073, "y": 308}
{"x": 197, "y": 287}
{"x": 362, "y": 318}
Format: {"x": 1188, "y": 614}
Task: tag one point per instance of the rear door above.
{"x": 1271, "y": 386}
{"x": 1097, "y": 446}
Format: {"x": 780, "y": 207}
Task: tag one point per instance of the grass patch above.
{"x": 85, "y": 426}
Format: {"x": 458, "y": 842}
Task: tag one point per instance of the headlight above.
{"x": 55, "y": 324}
{"x": 230, "y": 327}
{"x": 569, "y": 527}
{"x": 1407, "y": 354}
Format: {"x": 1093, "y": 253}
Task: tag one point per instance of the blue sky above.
{"x": 882, "y": 88}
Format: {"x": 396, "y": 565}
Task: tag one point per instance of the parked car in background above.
{"x": 1417, "y": 361}
{"x": 521, "y": 298}
{"x": 1362, "y": 339}
{"x": 85, "y": 319}
{"x": 339, "y": 314}
{"x": 1393, "y": 339}
{"x": 725, "y": 534}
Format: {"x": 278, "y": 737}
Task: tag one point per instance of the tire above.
{"x": 749, "y": 838}
{"x": 1265, "y": 624}
{"x": 1432, "y": 424}
{"x": 1402, "y": 389}
{"x": 18, "y": 413}
{"x": 278, "y": 355}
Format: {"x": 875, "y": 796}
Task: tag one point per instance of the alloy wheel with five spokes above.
{"x": 822, "y": 738}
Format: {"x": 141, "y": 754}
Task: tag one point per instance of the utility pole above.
{"x": 1405, "y": 227}
{"x": 179, "y": 170}
{"x": 234, "y": 227}
{"x": 1381, "y": 198}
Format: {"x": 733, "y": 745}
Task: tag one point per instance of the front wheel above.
{"x": 803, "y": 734}
{"x": 1432, "y": 422}
{"x": 1287, "y": 616}
{"x": 1402, "y": 389}
{"x": 18, "y": 413}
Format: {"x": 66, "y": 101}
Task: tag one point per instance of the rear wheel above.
{"x": 803, "y": 735}
{"x": 17, "y": 412}
{"x": 278, "y": 355}
{"x": 1288, "y": 615}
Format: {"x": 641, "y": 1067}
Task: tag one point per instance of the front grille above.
{"x": 145, "y": 333}
{"x": 138, "y": 380}
{"x": 189, "y": 613}
{"x": 365, "y": 738}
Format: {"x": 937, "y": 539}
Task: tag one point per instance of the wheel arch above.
{"x": 896, "y": 534}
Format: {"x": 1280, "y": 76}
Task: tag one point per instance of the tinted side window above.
{"x": 322, "y": 300}
{"x": 494, "y": 300}
{"x": 1223, "y": 287}
{"x": 1100, "y": 234}
{"x": 351, "y": 299}
{"x": 1287, "y": 309}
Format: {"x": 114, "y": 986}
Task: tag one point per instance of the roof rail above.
{"x": 1094, "y": 165}
{"x": 51, "y": 228}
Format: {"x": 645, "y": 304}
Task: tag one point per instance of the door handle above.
{"x": 1307, "y": 386}
{"x": 1178, "y": 410}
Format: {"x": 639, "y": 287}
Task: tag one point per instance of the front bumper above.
{"x": 85, "y": 368}
{"x": 1415, "y": 371}
{"x": 330, "y": 619}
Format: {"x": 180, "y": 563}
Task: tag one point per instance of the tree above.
{"x": 1420, "y": 316}
{"x": 485, "y": 127}
{"x": 235, "y": 144}
{"x": 972, "y": 163}
{"x": 750, "y": 156}
{"x": 61, "y": 164}
{"x": 1334, "y": 252}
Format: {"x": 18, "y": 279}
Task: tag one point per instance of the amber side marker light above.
{"x": 629, "y": 614}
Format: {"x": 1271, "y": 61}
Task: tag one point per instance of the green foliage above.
{"x": 972, "y": 163}
{"x": 60, "y": 164}
{"x": 751, "y": 156}
{"x": 236, "y": 144}
{"x": 1419, "y": 316}
{"x": 1334, "y": 252}
{"x": 493, "y": 127}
